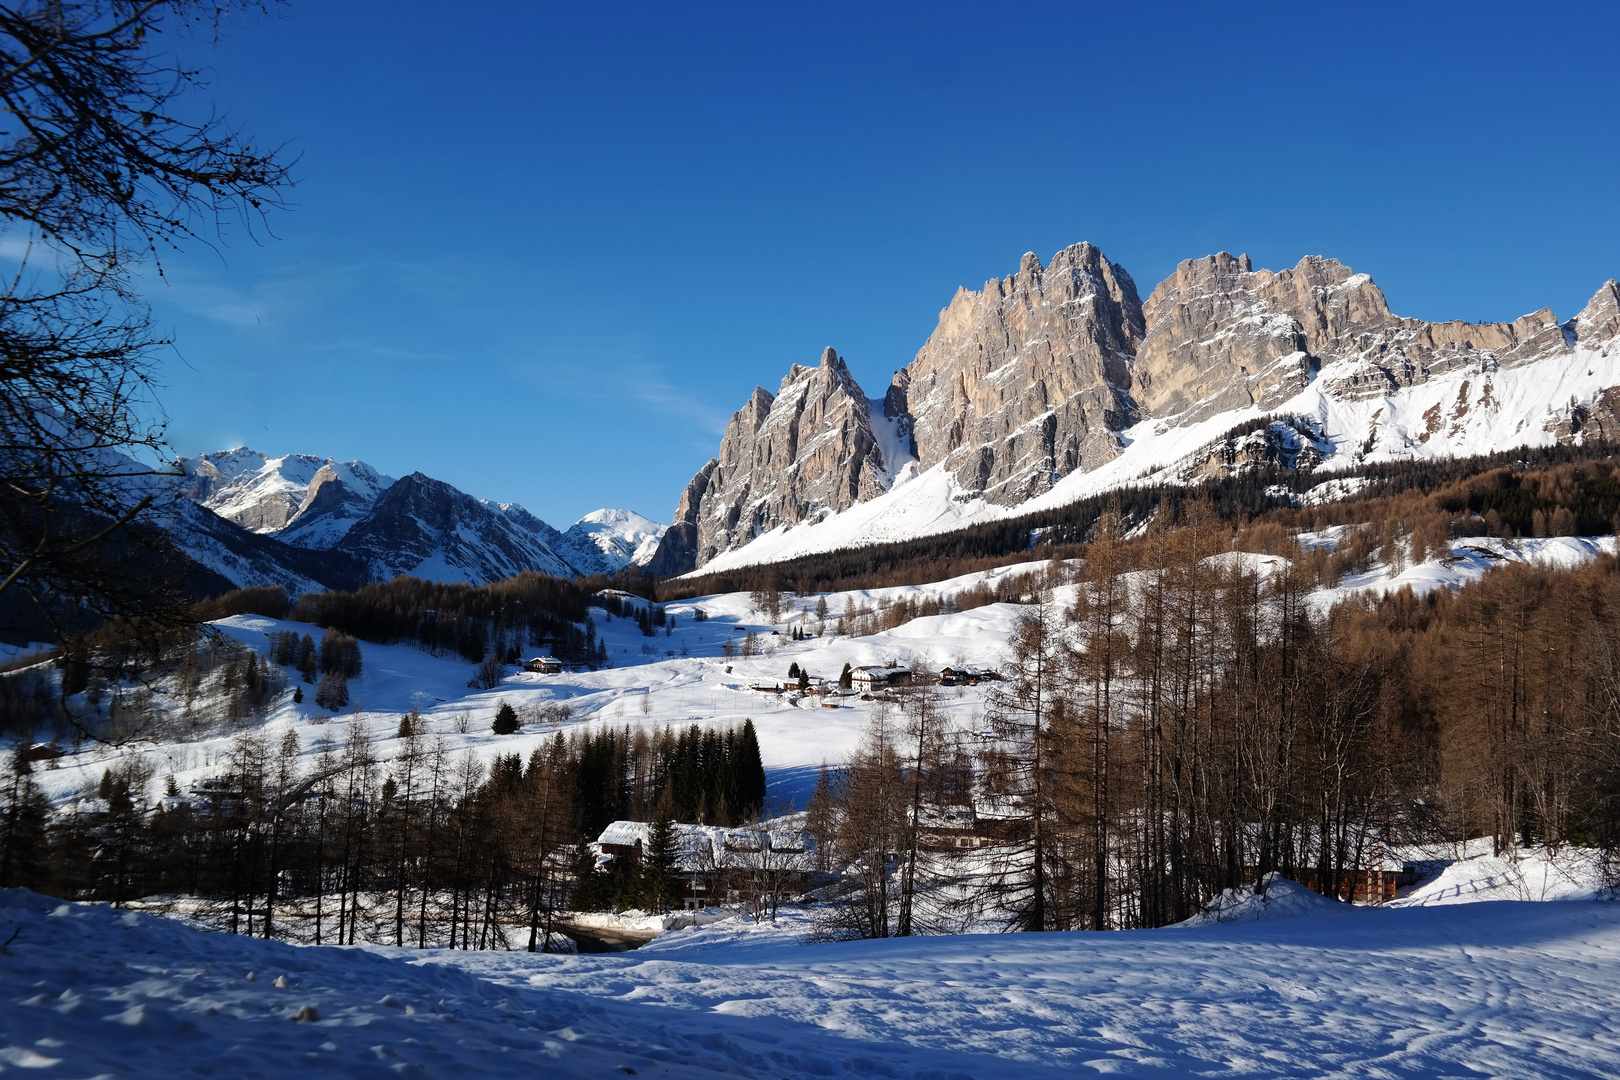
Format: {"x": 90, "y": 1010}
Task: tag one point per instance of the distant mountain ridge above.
{"x": 309, "y": 522}
{"x": 1058, "y": 382}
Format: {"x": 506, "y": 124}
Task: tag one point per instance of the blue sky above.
{"x": 543, "y": 252}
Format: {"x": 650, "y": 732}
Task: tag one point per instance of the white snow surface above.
{"x": 606, "y": 541}
{"x": 1506, "y": 989}
{"x": 1472, "y": 871}
{"x": 1274, "y": 898}
{"x": 682, "y": 678}
{"x": 1473, "y": 410}
{"x": 249, "y": 478}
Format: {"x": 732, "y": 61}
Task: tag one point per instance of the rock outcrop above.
{"x": 1222, "y": 336}
{"x": 1027, "y": 380}
{"x": 801, "y": 453}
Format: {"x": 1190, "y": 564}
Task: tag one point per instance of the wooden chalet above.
{"x": 967, "y": 676}
{"x": 715, "y": 864}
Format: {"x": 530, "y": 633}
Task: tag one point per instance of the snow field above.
{"x": 1517, "y": 990}
{"x": 646, "y": 688}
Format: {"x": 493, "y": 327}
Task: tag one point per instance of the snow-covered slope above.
{"x": 248, "y": 558}
{"x": 427, "y": 528}
{"x": 1505, "y": 990}
{"x": 311, "y": 500}
{"x": 606, "y": 541}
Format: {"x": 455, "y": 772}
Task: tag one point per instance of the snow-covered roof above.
{"x": 709, "y": 847}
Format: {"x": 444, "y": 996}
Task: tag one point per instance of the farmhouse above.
{"x": 545, "y": 665}
{"x": 868, "y": 679}
{"x": 950, "y": 828}
{"x": 716, "y": 864}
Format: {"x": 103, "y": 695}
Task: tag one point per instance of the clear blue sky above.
{"x": 543, "y": 252}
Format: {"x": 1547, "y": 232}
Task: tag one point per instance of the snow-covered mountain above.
{"x": 1057, "y": 383}
{"x": 307, "y": 522}
{"x": 308, "y": 501}
{"x": 607, "y": 541}
{"x": 426, "y": 528}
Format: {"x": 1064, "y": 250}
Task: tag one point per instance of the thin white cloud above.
{"x": 610, "y": 375}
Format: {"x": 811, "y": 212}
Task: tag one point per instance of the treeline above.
{"x": 426, "y": 849}
{"x": 699, "y": 774}
{"x": 498, "y": 620}
{"x": 1186, "y": 725}
{"x": 1257, "y": 494}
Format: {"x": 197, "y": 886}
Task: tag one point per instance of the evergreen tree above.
{"x": 506, "y": 720}
{"x": 660, "y": 885}
{"x": 749, "y": 773}
{"x": 846, "y": 678}
{"x": 333, "y": 691}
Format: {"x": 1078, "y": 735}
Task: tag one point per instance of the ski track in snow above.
{"x": 1507, "y": 989}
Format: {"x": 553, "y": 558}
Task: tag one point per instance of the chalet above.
{"x": 868, "y": 679}
{"x": 1366, "y": 886}
{"x": 966, "y": 676}
{"x": 950, "y": 828}
{"x": 715, "y": 864}
{"x": 545, "y": 665}
{"x": 40, "y": 752}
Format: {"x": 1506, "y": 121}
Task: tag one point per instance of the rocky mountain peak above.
{"x": 1598, "y": 324}
{"x": 1027, "y": 379}
{"x": 1039, "y": 375}
{"x": 803, "y": 452}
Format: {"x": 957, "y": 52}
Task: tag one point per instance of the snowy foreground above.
{"x": 1505, "y": 989}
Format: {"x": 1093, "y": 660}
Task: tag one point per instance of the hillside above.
{"x": 1515, "y": 989}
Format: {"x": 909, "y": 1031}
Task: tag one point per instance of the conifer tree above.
{"x": 660, "y": 885}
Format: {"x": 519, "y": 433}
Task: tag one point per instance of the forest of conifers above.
{"x": 425, "y": 849}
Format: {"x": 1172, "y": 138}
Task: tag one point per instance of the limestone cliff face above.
{"x": 1222, "y": 335}
{"x": 785, "y": 458}
{"x": 1036, "y": 376}
{"x": 1598, "y": 325}
{"x": 1027, "y": 380}
{"x": 677, "y": 550}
